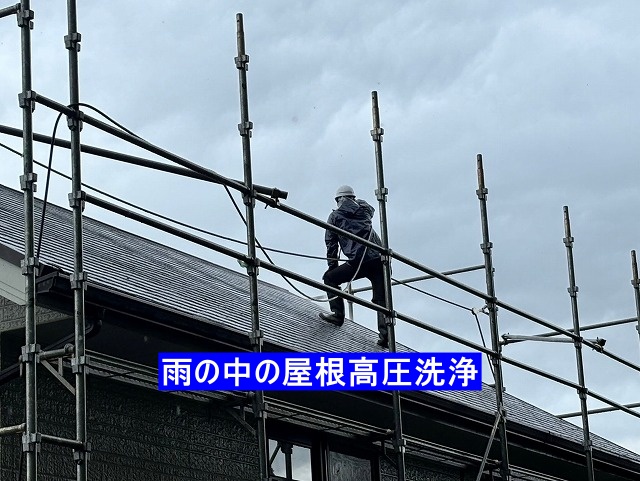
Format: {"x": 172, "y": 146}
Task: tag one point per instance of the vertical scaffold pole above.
{"x": 31, "y": 438}
{"x": 505, "y": 470}
{"x": 635, "y": 282}
{"x": 78, "y": 279}
{"x": 573, "y": 293}
{"x": 256, "y": 336}
{"x": 381, "y": 194}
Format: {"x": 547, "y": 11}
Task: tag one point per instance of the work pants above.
{"x": 372, "y": 270}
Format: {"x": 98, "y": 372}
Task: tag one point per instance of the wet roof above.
{"x": 119, "y": 261}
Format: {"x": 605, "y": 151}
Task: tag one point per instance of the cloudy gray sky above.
{"x": 545, "y": 90}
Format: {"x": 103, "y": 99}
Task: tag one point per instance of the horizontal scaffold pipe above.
{"x": 596, "y": 411}
{"x": 269, "y": 201}
{"x": 226, "y": 251}
{"x": 572, "y": 335}
{"x": 17, "y": 429}
{"x": 12, "y": 10}
{"x": 132, "y": 159}
{"x": 425, "y": 277}
{"x": 590, "y": 327}
{"x": 312, "y": 283}
{"x": 143, "y": 144}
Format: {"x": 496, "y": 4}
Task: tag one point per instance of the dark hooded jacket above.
{"x": 353, "y": 215}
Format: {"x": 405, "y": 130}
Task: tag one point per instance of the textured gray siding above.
{"x": 136, "y": 434}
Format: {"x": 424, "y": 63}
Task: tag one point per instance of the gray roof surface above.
{"x": 120, "y": 261}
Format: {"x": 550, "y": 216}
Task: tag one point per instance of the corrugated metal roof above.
{"x": 118, "y": 260}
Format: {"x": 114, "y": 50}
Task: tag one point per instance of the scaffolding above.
{"x": 271, "y": 197}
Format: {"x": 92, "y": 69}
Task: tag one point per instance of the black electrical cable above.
{"x": 235, "y": 204}
{"x": 95, "y": 109}
{"x": 432, "y": 295}
{"x": 160, "y": 216}
{"x": 457, "y": 305}
{"x": 46, "y": 188}
{"x": 493, "y": 373}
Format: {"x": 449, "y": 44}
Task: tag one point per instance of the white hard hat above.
{"x": 345, "y": 191}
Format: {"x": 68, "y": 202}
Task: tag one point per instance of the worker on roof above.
{"x": 354, "y": 216}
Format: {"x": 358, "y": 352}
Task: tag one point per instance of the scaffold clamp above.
{"x": 31, "y": 442}
{"x": 381, "y": 194}
{"x": 78, "y": 364}
{"x": 245, "y": 128}
{"x": 72, "y": 41}
{"x": 573, "y": 291}
{"x": 27, "y": 99}
{"x": 486, "y": 247}
{"x": 242, "y": 62}
{"x": 25, "y": 18}
{"x": 78, "y": 281}
{"x": 256, "y": 337}
{"x": 28, "y": 181}
{"x": 77, "y": 199}
{"x": 29, "y": 353}
{"x": 82, "y": 455}
{"x": 75, "y": 123}
{"x": 377, "y": 133}
{"x": 482, "y": 193}
{"x": 29, "y": 266}
{"x": 390, "y": 320}
{"x": 568, "y": 241}
{"x": 249, "y": 198}
{"x": 400, "y": 445}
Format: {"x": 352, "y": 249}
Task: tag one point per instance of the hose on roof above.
{"x": 203, "y": 231}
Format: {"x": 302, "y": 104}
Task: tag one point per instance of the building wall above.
{"x": 420, "y": 470}
{"x": 137, "y": 434}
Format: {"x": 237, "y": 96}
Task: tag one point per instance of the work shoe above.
{"x": 333, "y": 318}
{"x": 383, "y": 343}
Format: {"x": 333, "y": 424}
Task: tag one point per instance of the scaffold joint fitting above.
{"x": 381, "y": 194}
{"x": 82, "y": 455}
{"x": 568, "y": 241}
{"x": 252, "y": 266}
{"x": 377, "y": 133}
{"x": 78, "y": 364}
{"x": 27, "y": 100}
{"x": 249, "y": 198}
{"x": 29, "y": 266}
{"x": 390, "y": 320}
{"x": 400, "y": 445}
{"x": 386, "y": 256}
{"x": 486, "y": 247}
{"x": 482, "y": 193}
{"x": 78, "y": 281}
{"x": 635, "y": 283}
{"x": 256, "y": 337}
{"x": 72, "y": 41}
{"x": 29, "y": 353}
{"x": 573, "y": 291}
{"x": 77, "y": 199}
{"x": 28, "y": 181}
{"x": 25, "y": 17}
{"x": 75, "y": 123}
{"x": 582, "y": 392}
{"x": 31, "y": 442}
{"x": 245, "y": 129}
{"x": 242, "y": 62}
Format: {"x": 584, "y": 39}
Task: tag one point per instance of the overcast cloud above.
{"x": 546, "y": 91}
